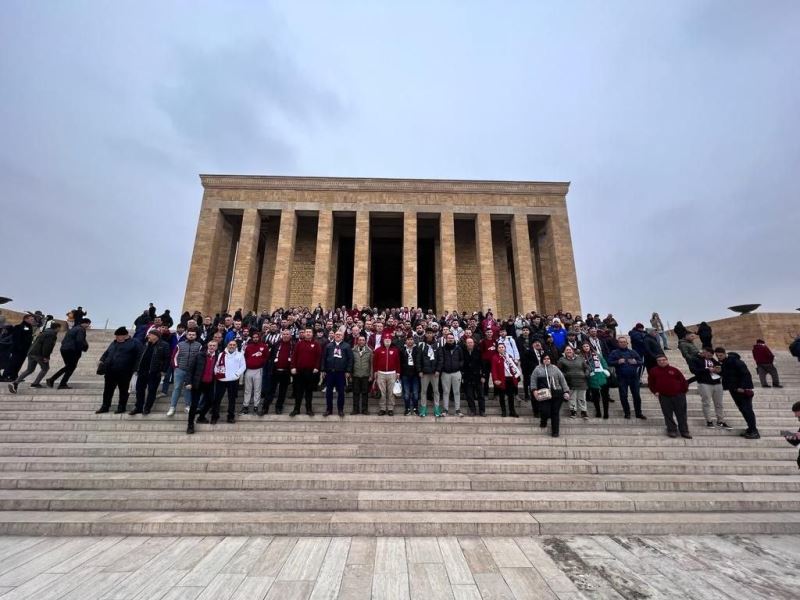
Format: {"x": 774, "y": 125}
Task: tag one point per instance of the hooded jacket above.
{"x": 735, "y": 374}
{"x": 43, "y": 345}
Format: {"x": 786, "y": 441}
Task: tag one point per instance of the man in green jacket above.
{"x": 38, "y": 356}
{"x": 362, "y": 375}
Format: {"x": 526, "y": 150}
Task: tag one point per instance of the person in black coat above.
{"x": 471, "y": 378}
{"x": 705, "y": 334}
{"x": 794, "y": 440}
{"x": 201, "y": 381}
{"x": 21, "y": 340}
{"x": 736, "y": 378}
{"x": 680, "y": 330}
{"x": 117, "y": 364}
{"x": 153, "y": 361}
{"x": 652, "y": 349}
{"x": 73, "y": 346}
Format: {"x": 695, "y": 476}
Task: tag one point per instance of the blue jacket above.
{"x": 637, "y": 340}
{"x": 559, "y": 337}
{"x": 343, "y": 363}
{"x": 626, "y": 370}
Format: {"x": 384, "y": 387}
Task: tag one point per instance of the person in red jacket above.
{"x": 305, "y": 366}
{"x": 488, "y": 347}
{"x": 670, "y": 387}
{"x": 505, "y": 375}
{"x": 256, "y": 355}
{"x": 765, "y": 363}
{"x": 386, "y": 366}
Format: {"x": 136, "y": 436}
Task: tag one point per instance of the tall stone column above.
{"x": 361, "y": 259}
{"x": 245, "y": 269}
{"x": 523, "y": 264}
{"x": 410, "y": 259}
{"x": 201, "y": 269}
{"x": 283, "y": 259}
{"x": 448, "y": 261}
{"x": 559, "y": 245}
{"x": 483, "y": 236}
{"x": 322, "y": 259}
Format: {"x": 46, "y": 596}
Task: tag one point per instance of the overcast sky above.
{"x": 678, "y": 124}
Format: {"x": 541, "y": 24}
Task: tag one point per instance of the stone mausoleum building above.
{"x": 270, "y": 242}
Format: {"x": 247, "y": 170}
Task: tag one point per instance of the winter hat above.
{"x": 121, "y": 331}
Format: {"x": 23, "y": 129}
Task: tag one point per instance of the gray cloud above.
{"x": 676, "y": 124}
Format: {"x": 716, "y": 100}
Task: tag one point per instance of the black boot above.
{"x": 364, "y": 407}
{"x": 356, "y": 408}
{"x": 503, "y": 407}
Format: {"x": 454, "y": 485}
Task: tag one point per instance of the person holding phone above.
{"x": 794, "y": 438}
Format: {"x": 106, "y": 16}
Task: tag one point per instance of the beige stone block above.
{"x": 447, "y": 263}
{"x": 523, "y": 264}
{"x": 198, "y": 285}
{"x": 322, "y": 259}
{"x": 243, "y": 283}
{"x": 410, "y": 259}
{"x": 283, "y": 259}
{"x": 483, "y": 234}
{"x": 361, "y": 259}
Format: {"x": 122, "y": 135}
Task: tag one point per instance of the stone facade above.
{"x": 741, "y": 332}
{"x": 269, "y": 242}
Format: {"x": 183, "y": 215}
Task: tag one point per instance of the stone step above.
{"x": 106, "y": 464}
{"x": 396, "y": 501}
{"x": 414, "y": 523}
{"x": 185, "y": 480}
{"x": 246, "y": 426}
{"x": 215, "y": 436}
{"x": 679, "y": 449}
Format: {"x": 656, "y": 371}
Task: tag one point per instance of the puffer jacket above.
{"x": 575, "y": 371}
{"x": 362, "y": 362}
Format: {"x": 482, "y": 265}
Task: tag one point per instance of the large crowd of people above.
{"x": 421, "y": 358}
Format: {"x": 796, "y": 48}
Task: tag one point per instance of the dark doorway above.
{"x": 386, "y": 266}
{"x": 426, "y": 277}
{"x": 344, "y": 271}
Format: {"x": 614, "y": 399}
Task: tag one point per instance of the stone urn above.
{"x": 744, "y": 309}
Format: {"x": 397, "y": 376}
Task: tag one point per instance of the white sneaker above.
{"x": 171, "y": 411}
{"x": 186, "y": 409}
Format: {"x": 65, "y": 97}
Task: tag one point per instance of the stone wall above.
{"x": 467, "y": 275}
{"x": 301, "y": 279}
{"x": 502, "y": 274}
{"x": 271, "y": 229}
{"x": 741, "y": 332}
{"x": 13, "y": 317}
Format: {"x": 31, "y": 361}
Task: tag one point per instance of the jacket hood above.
{"x": 734, "y": 355}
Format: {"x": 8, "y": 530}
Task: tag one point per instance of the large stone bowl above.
{"x": 744, "y": 308}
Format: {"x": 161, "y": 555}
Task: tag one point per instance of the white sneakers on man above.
{"x": 171, "y": 411}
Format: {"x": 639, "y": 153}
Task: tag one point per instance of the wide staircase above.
{"x": 66, "y": 471}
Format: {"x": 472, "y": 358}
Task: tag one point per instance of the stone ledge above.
{"x": 422, "y": 186}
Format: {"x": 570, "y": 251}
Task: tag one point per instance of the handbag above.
{"x": 544, "y": 394}
{"x": 397, "y": 389}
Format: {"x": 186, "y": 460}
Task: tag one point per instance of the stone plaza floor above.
{"x": 463, "y": 568}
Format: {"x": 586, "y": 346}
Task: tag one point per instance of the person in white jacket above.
{"x": 511, "y": 346}
{"x": 228, "y": 369}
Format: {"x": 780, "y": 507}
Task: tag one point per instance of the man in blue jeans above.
{"x": 182, "y": 357}
{"x": 409, "y": 376}
{"x": 627, "y": 363}
{"x": 337, "y": 364}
